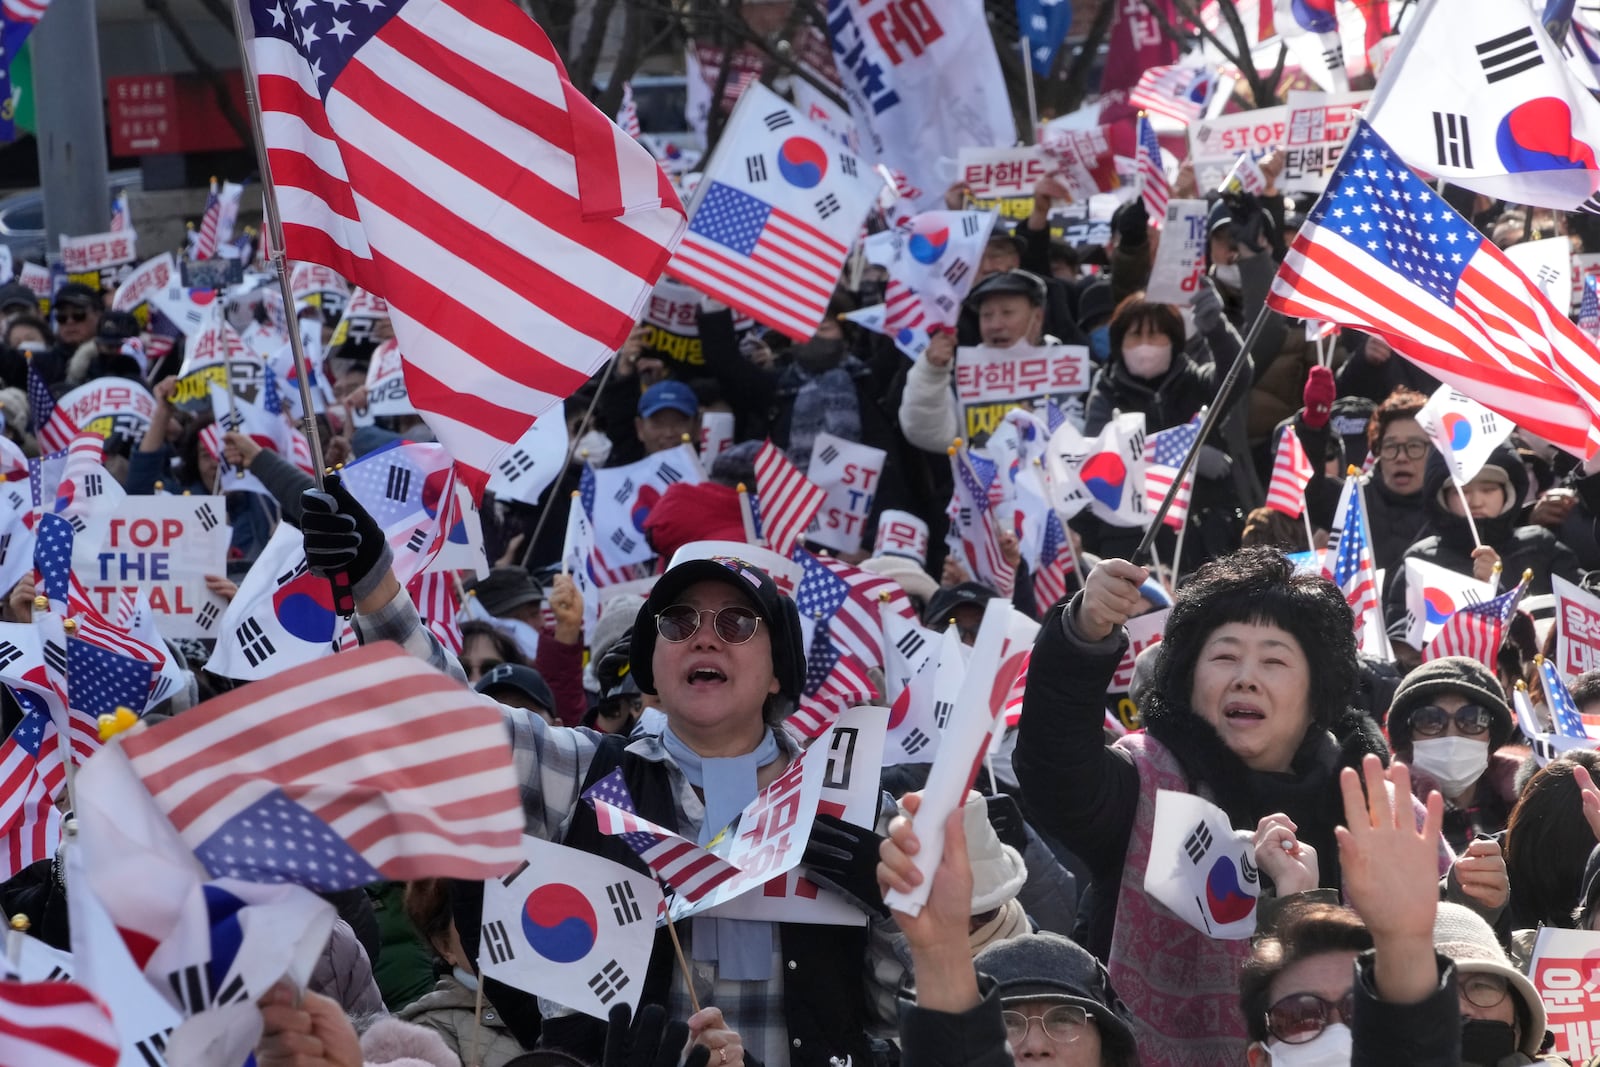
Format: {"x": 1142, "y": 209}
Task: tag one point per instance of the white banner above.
{"x": 1215, "y": 143}
{"x": 992, "y": 381}
{"x": 1180, "y": 260}
{"x": 999, "y": 172}
{"x": 849, "y": 474}
{"x": 165, "y": 545}
{"x": 109, "y": 406}
{"x": 1577, "y": 628}
{"x": 901, "y": 533}
{"x": 1319, "y": 126}
{"x": 79, "y": 255}
{"x": 923, "y": 81}
{"x": 386, "y": 383}
{"x": 153, "y": 275}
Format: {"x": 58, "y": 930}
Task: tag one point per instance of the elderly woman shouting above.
{"x": 1248, "y": 710}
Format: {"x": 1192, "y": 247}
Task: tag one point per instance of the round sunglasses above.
{"x": 733, "y": 625}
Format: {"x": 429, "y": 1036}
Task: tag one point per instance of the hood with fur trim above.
{"x": 1453, "y": 529}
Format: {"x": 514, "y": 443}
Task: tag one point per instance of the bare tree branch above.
{"x": 1076, "y": 78}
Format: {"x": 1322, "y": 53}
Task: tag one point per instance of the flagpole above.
{"x": 1213, "y": 415}
{"x": 572, "y": 450}
{"x": 747, "y": 514}
{"x": 233, "y": 406}
{"x": 683, "y": 965}
{"x": 1305, "y": 517}
{"x": 1461, "y": 495}
{"x": 274, "y": 225}
{"x": 1027, "y": 79}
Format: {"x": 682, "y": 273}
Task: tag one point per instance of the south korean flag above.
{"x": 572, "y": 929}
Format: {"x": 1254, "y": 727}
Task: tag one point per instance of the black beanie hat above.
{"x": 1450, "y": 674}
{"x": 777, "y": 611}
{"x": 1050, "y": 967}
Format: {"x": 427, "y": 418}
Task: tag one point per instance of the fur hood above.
{"x": 393, "y": 1043}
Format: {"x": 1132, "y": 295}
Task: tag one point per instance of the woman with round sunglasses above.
{"x": 1449, "y": 721}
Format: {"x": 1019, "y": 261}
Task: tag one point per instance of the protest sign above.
{"x": 1143, "y": 631}
{"x": 245, "y": 377}
{"x": 38, "y": 281}
{"x": 1319, "y": 124}
{"x": 153, "y": 275}
{"x": 716, "y": 434}
{"x": 109, "y": 407}
{"x": 989, "y": 173}
{"x": 901, "y": 533}
{"x": 83, "y": 255}
{"x": 386, "y": 383}
{"x": 359, "y": 324}
{"x": 1083, "y": 160}
{"x": 672, "y": 323}
{"x": 848, "y": 473}
{"x": 165, "y": 545}
{"x": 1180, "y": 260}
{"x": 1565, "y": 969}
{"x": 1577, "y": 628}
{"x": 992, "y": 381}
{"x": 1214, "y": 144}
{"x": 850, "y": 791}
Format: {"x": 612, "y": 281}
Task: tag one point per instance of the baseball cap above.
{"x": 668, "y": 394}
{"x": 505, "y": 589}
{"x": 525, "y": 680}
{"x": 777, "y": 611}
{"x": 1009, "y": 283}
{"x": 117, "y": 326}
{"x": 15, "y": 294}
{"x": 76, "y": 293}
{"x": 947, "y": 600}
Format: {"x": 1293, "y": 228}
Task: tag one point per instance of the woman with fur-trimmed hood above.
{"x": 1250, "y": 710}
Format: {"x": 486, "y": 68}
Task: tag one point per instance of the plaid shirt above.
{"x": 551, "y": 763}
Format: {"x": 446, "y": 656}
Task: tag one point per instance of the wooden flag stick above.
{"x": 683, "y": 965}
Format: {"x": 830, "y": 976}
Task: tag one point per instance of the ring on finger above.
{"x": 722, "y": 1055}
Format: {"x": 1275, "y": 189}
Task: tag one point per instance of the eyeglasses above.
{"x": 63, "y": 315}
{"x": 1432, "y": 720}
{"x": 1415, "y": 448}
{"x": 735, "y": 625}
{"x": 1300, "y": 1017}
{"x": 1063, "y": 1023}
{"x": 1484, "y": 990}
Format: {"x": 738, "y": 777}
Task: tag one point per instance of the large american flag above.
{"x": 434, "y": 151}
{"x": 1153, "y": 187}
{"x": 789, "y": 500}
{"x": 55, "y": 1024}
{"x": 1164, "y": 454}
{"x": 1382, "y": 252}
{"x": 1291, "y": 473}
{"x": 374, "y": 762}
{"x": 690, "y": 870}
{"x": 1476, "y": 630}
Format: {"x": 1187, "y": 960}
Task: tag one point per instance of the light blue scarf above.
{"x": 741, "y": 948}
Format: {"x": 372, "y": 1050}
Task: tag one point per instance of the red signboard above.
{"x": 151, "y": 114}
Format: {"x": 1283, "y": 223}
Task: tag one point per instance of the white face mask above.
{"x": 1331, "y": 1048}
{"x": 1147, "y": 361}
{"x": 1454, "y": 762}
{"x": 598, "y": 447}
{"x": 1227, "y": 274}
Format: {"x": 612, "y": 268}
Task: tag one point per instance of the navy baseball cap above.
{"x": 669, "y": 394}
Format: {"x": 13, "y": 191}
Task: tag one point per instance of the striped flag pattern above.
{"x": 1175, "y": 92}
{"x": 1563, "y": 709}
{"x": 1164, "y": 454}
{"x": 690, "y": 870}
{"x": 1291, "y": 473}
{"x": 789, "y": 500}
{"x": 55, "y": 1024}
{"x": 1467, "y": 316}
{"x": 52, "y": 427}
{"x": 205, "y": 235}
{"x": 628, "y": 116}
{"x": 1056, "y": 562}
{"x": 119, "y": 213}
{"x": 404, "y": 773}
{"x": 434, "y": 151}
{"x": 1154, "y": 189}
{"x": 1589, "y": 308}
{"x": 972, "y": 522}
{"x": 1475, "y": 631}
{"x": 1354, "y": 573}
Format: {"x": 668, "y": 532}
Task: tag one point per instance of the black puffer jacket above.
{"x": 1449, "y": 541}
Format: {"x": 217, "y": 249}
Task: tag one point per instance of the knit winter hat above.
{"x": 997, "y": 869}
{"x": 1462, "y": 935}
{"x": 1450, "y": 674}
{"x": 1049, "y": 967}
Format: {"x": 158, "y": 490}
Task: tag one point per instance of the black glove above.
{"x": 649, "y": 1041}
{"x": 1006, "y": 818}
{"x": 1133, "y": 224}
{"x": 342, "y": 541}
{"x": 844, "y": 858}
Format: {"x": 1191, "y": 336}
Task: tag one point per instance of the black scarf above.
{"x": 1308, "y": 793}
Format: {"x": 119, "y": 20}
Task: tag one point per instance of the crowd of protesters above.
{"x": 1409, "y": 844}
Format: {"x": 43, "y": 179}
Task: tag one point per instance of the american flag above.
{"x": 103, "y": 681}
{"x": 205, "y": 235}
{"x": 1153, "y": 186}
{"x": 1382, "y": 252}
{"x": 119, "y": 213}
{"x": 434, "y": 151}
{"x": 52, "y": 558}
{"x": 1563, "y": 709}
{"x": 857, "y": 627}
{"x": 690, "y": 870}
{"x": 1176, "y": 92}
{"x": 31, "y": 773}
{"x": 1475, "y": 630}
{"x": 972, "y": 520}
{"x": 55, "y": 1024}
{"x": 92, "y": 628}
{"x": 628, "y": 116}
{"x": 1056, "y": 562}
{"x": 1353, "y": 571}
{"x": 434, "y": 595}
{"x": 379, "y": 765}
{"x": 53, "y": 429}
{"x": 1589, "y": 309}
{"x": 603, "y": 573}
{"x": 1291, "y": 473}
{"x": 1164, "y": 454}
{"x": 789, "y": 500}
{"x": 902, "y": 308}
{"x": 847, "y": 638}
